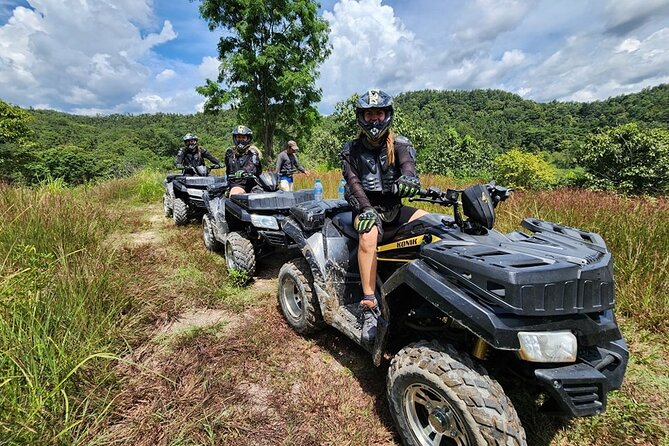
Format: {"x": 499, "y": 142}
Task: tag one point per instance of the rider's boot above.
{"x": 370, "y": 315}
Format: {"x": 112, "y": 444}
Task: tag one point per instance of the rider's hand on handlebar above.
{"x": 215, "y": 166}
{"x": 240, "y": 174}
{"x": 365, "y": 221}
{"x": 408, "y": 186}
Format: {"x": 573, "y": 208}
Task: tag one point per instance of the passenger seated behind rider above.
{"x": 242, "y": 161}
{"x": 192, "y": 155}
{"x": 380, "y": 169}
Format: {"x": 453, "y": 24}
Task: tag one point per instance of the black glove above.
{"x": 215, "y": 166}
{"x": 408, "y": 186}
{"x": 241, "y": 174}
{"x": 365, "y": 221}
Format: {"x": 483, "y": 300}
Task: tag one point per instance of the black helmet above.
{"x": 374, "y": 99}
{"x": 190, "y": 137}
{"x": 241, "y": 130}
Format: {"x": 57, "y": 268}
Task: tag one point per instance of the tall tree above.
{"x": 15, "y": 141}
{"x": 269, "y": 56}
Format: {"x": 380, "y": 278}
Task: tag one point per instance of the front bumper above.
{"x": 581, "y": 389}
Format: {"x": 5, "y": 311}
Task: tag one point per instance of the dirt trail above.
{"x": 215, "y": 364}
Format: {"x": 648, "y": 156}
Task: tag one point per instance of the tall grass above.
{"x": 58, "y": 310}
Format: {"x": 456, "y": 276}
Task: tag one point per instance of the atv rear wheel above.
{"x": 239, "y": 254}
{"x": 167, "y": 208}
{"x": 180, "y": 212}
{"x": 441, "y": 397}
{"x": 210, "y": 241}
{"x": 297, "y": 299}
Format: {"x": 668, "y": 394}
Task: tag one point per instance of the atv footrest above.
{"x": 578, "y": 389}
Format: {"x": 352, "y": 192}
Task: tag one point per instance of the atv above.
{"x": 182, "y": 199}
{"x": 458, "y": 298}
{"x": 247, "y": 227}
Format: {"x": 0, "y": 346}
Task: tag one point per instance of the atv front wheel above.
{"x": 239, "y": 255}
{"x": 210, "y": 241}
{"x": 180, "y": 212}
{"x": 297, "y": 298}
{"x": 440, "y": 397}
{"x": 167, "y": 209}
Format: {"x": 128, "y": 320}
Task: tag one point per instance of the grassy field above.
{"x": 117, "y": 327}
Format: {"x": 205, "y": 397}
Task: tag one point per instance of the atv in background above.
{"x": 456, "y": 298}
{"x": 247, "y": 227}
{"x": 182, "y": 199}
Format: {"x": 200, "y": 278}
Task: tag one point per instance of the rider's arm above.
{"x": 207, "y": 154}
{"x": 180, "y": 157}
{"x": 406, "y": 156}
{"x": 299, "y": 166}
{"x": 349, "y": 171}
{"x": 226, "y": 157}
{"x": 279, "y": 162}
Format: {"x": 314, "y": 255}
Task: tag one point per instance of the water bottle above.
{"x": 342, "y": 188}
{"x": 318, "y": 190}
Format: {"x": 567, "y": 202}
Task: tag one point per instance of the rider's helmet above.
{"x": 190, "y": 140}
{"x": 374, "y": 130}
{"x": 238, "y": 131}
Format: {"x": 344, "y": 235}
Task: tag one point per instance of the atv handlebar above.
{"x": 451, "y": 196}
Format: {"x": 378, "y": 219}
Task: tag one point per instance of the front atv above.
{"x": 457, "y": 298}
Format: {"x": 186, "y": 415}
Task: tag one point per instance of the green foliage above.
{"x": 522, "y": 170}
{"x": 269, "y": 53}
{"x": 628, "y": 159}
{"x": 15, "y": 142}
{"x": 455, "y": 156}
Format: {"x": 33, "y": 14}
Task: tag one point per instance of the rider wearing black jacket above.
{"x": 242, "y": 161}
{"x": 193, "y": 155}
{"x": 380, "y": 169}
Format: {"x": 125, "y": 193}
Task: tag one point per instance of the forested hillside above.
{"x": 505, "y": 120}
{"x": 457, "y": 133}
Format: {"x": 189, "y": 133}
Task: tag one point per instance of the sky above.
{"x": 93, "y": 57}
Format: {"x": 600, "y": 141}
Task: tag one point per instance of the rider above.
{"x": 287, "y": 164}
{"x": 192, "y": 155}
{"x": 242, "y": 161}
{"x": 380, "y": 169}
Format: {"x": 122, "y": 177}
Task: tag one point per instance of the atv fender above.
{"x": 498, "y": 329}
{"x": 216, "y": 209}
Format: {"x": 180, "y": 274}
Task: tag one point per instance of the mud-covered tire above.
{"x": 210, "y": 241}
{"x": 435, "y": 393}
{"x": 167, "y": 205}
{"x": 297, "y": 298}
{"x": 239, "y": 254}
{"x": 180, "y": 212}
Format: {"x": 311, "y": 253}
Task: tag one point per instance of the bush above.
{"x": 521, "y": 170}
{"x": 627, "y": 159}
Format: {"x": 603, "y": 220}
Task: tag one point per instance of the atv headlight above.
{"x": 264, "y": 221}
{"x": 547, "y": 346}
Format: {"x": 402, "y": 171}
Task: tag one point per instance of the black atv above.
{"x": 182, "y": 199}
{"x": 247, "y": 227}
{"x": 457, "y": 296}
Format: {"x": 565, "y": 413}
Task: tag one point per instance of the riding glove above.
{"x": 215, "y": 166}
{"x": 365, "y": 221}
{"x": 407, "y": 186}
{"x": 240, "y": 174}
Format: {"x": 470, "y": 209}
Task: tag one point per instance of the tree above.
{"x": 15, "y": 142}
{"x": 522, "y": 170}
{"x": 628, "y": 159}
{"x": 269, "y": 56}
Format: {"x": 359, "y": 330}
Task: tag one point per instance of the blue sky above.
{"x": 147, "y": 56}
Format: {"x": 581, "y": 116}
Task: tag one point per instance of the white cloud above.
{"x": 77, "y": 52}
{"x": 165, "y": 75}
{"x": 628, "y": 46}
{"x": 490, "y": 18}
{"x": 208, "y": 69}
{"x": 622, "y": 17}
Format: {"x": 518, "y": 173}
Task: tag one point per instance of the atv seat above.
{"x": 193, "y": 181}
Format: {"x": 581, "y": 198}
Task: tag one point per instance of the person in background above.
{"x": 287, "y": 164}
{"x": 242, "y": 161}
{"x": 192, "y": 155}
{"x": 380, "y": 169}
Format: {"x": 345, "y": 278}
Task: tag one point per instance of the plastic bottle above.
{"x": 342, "y": 184}
{"x": 318, "y": 190}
